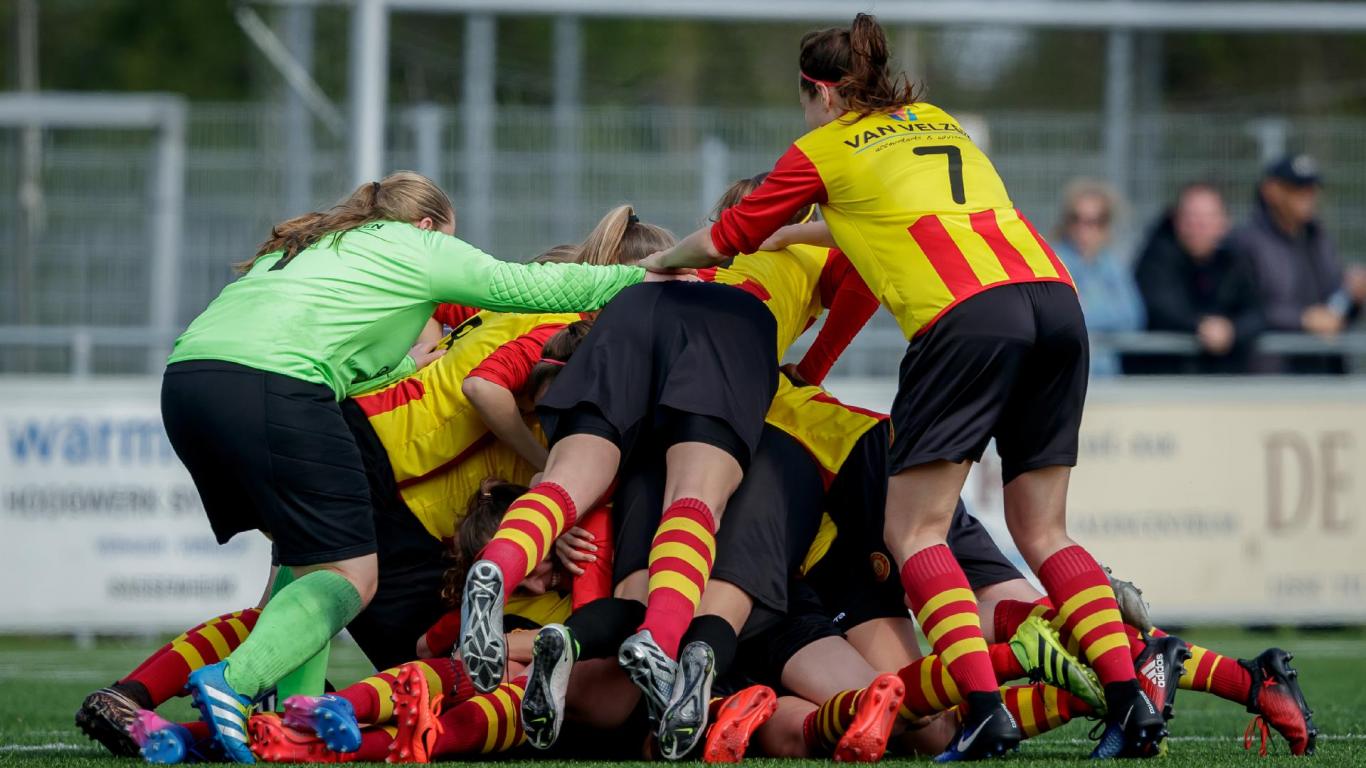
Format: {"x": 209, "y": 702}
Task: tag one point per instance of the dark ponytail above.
{"x": 854, "y": 62}
{"x": 555, "y": 353}
{"x": 482, "y": 517}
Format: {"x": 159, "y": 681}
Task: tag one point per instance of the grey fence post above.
{"x": 427, "y": 121}
{"x": 714, "y": 162}
{"x": 1119, "y": 108}
{"x": 481, "y": 50}
{"x": 167, "y": 218}
{"x": 568, "y": 58}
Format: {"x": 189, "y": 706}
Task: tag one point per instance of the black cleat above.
{"x": 1134, "y": 726}
{"x": 1159, "y": 668}
{"x": 685, "y": 720}
{"x": 1276, "y": 700}
{"x": 988, "y": 730}
{"x": 106, "y": 715}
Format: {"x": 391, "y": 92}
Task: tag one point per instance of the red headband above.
{"x": 810, "y": 79}
{"x": 552, "y": 361}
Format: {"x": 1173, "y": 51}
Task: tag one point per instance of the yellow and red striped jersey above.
{"x": 916, "y": 206}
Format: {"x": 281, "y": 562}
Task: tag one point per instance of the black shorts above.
{"x": 763, "y": 656}
{"x": 1010, "y": 363}
{"x": 660, "y": 352}
{"x": 767, "y": 527}
{"x": 271, "y": 453}
{"x": 977, "y": 553}
{"x": 412, "y": 563}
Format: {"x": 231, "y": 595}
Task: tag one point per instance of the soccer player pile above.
{"x": 629, "y": 534}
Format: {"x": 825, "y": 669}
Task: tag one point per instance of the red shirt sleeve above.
{"x": 850, "y": 304}
{"x": 596, "y": 581}
{"x": 510, "y": 365}
{"x": 452, "y": 315}
{"x": 791, "y": 184}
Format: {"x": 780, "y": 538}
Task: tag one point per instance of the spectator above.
{"x": 1193, "y": 283}
{"x": 1300, "y": 275}
{"x": 1109, "y": 298}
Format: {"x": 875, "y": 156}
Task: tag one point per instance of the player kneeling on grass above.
{"x": 411, "y": 713}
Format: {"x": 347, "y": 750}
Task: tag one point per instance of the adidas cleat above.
{"x": 650, "y": 669}
{"x": 275, "y": 741}
{"x": 483, "y": 647}
{"x": 987, "y": 730}
{"x": 866, "y": 738}
{"x": 1040, "y": 651}
{"x": 415, "y": 714}
{"x": 737, "y": 718}
{"x": 224, "y": 710}
{"x": 1159, "y": 668}
{"x": 105, "y": 716}
{"x": 330, "y": 717}
{"x": 1276, "y": 700}
{"x": 159, "y": 740}
{"x": 552, "y": 658}
{"x": 685, "y": 719}
{"x": 1133, "y": 726}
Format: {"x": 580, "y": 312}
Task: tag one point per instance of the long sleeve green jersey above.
{"x": 345, "y": 311}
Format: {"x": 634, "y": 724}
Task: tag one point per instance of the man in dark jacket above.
{"x": 1192, "y": 283}
{"x": 1303, "y": 284}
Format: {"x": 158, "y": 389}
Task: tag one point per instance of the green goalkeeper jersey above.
{"x": 344, "y": 312}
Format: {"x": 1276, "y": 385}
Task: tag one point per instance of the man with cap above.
{"x": 1303, "y": 284}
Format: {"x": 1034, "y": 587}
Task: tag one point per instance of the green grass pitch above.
{"x": 42, "y": 681}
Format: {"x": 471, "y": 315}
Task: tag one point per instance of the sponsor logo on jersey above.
{"x": 882, "y": 567}
{"x": 869, "y": 137}
{"x": 903, "y": 115}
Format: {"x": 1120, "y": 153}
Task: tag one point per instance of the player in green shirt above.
{"x": 328, "y": 306}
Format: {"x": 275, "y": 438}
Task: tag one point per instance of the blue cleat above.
{"x": 331, "y": 717}
{"x": 224, "y": 710}
{"x": 159, "y": 740}
{"x": 1134, "y": 726}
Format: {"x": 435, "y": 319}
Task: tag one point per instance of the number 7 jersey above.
{"x": 916, "y": 207}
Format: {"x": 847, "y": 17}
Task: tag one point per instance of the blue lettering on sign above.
{"x": 88, "y": 441}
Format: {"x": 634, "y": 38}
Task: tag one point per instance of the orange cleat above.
{"x": 415, "y": 712}
{"x": 737, "y": 718}
{"x": 274, "y": 742}
{"x": 866, "y": 739}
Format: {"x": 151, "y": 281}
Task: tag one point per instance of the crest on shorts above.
{"x": 882, "y": 567}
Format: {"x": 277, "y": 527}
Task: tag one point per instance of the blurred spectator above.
{"x": 1299, "y": 272}
{"x": 1193, "y": 283}
{"x": 1084, "y": 242}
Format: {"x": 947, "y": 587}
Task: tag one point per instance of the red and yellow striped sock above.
{"x": 681, "y": 555}
{"x": 373, "y": 697}
{"x": 823, "y": 728}
{"x": 1039, "y": 708}
{"x": 531, "y": 525}
{"x": 485, "y": 724}
{"x": 946, "y": 609}
{"x": 1088, "y": 612}
{"x": 374, "y": 744}
{"x": 930, "y": 687}
{"x": 1216, "y": 674}
{"x": 165, "y": 672}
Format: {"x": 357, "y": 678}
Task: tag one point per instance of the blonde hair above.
{"x": 564, "y": 253}
{"x": 401, "y": 196}
{"x": 1080, "y": 188}
{"x": 622, "y": 238}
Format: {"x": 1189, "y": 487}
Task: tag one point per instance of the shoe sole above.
{"x": 482, "y": 645}
{"x": 413, "y": 715}
{"x": 99, "y": 716}
{"x": 543, "y": 700}
{"x": 640, "y": 672}
{"x": 338, "y": 732}
{"x": 271, "y": 743}
{"x": 728, "y": 739}
{"x": 685, "y": 720}
{"x": 866, "y": 738}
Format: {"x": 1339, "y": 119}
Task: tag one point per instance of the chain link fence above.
{"x": 73, "y": 247}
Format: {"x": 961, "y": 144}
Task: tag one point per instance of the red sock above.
{"x": 485, "y": 724}
{"x": 1219, "y": 675}
{"x": 681, "y": 556}
{"x": 1004, "y": 663}
{"x": 531, "y": 525}
{"x": 823, "y": 728}
{"x": 1088, "y": 612}
{"x": 199, "y": 730}
{"x": 1040, "y": 708}
{"x": 1010, "y": 614}
{"x": 946, "y": 609}
{"x": 372, "y": 698}
{"x": 165, "y": 672}
{"x": 444, "y": 634}
{"x": 596, "y": 580}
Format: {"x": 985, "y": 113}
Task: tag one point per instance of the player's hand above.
{"x": 1216, "y": 334}
{"x": 1321, "y": 321}
{"x": 673, "y": 275}
{"x": 790, "y": 371}
{"x": 778, "y": 240}
{"x": 573, "y": 547}
{"x": 425, "y": 353}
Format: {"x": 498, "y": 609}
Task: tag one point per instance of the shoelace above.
{"x": 429, "y": 738}
{"x": 1259, "y": 725}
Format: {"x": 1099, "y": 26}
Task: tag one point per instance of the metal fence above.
{"x": 546, "y": 181}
